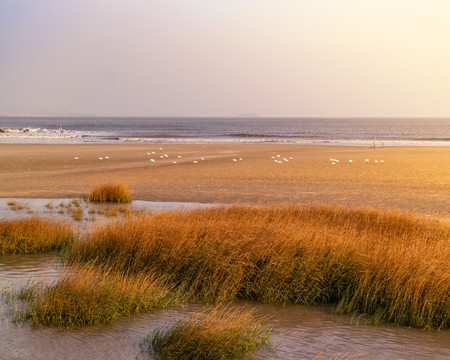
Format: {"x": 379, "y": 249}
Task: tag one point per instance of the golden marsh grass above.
{"x": 391, "y": 265}
{"x": 220, "y": 334}
{"x": 111, "y": 192}
{"x": 89, "y": 296}
{"x": 33, "y": 234}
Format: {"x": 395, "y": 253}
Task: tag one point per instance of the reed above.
{"x": 111, "y": 192}
{"x": 87, "y": 296}
{"x": 219, "y": 334}
{"x": 391, "y": 265}
{"x": 33, "y": 234}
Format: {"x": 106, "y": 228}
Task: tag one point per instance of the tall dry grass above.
{"x": 89, "y": 296}
{"x": 391, "y": 265}
{"x": 110, "y": 192}
{"x": 33, "y": 234}
{"x": 220, "y": 334}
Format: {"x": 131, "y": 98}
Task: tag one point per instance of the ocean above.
{"x": 306, "y": 131}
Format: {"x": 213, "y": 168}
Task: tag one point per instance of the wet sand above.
{"x": 416, "y": 178}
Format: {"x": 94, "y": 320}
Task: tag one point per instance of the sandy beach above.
{"x": 416, "y": 178}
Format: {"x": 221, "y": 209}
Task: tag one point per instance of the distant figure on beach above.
{"x": 60, "y": 128}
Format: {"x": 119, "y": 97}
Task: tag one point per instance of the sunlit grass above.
{"x": 388, "y": 264}
{"x": 89, "y": 296}
{"x": 220, "y": 334}
{"x": 32, "y": 235}
{"x": 111, "y": 192}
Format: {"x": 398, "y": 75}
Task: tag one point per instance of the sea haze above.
{"x": 331, "y": 131}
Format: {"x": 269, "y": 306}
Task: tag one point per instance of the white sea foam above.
{"x": 22, "y": 130}
{"x": 38, "y": 136}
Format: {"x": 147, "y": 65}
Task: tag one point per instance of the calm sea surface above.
{"x": 333, "y": 131}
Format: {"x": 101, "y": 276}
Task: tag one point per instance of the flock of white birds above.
{"x": 336, "y": 161}
{"x": 278, "y": 159}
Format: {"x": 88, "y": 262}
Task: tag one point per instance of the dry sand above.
{"x": 415, "y": 178}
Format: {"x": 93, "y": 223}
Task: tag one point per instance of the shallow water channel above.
{"x": 298, "y": 332}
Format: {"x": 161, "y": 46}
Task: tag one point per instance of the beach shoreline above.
{"x": 411, "y": 178}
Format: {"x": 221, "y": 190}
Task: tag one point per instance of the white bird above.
{"x": 107, "y": 157}
{"x": 291, "y": 158}
{"x": 195, "y": 162}
{"x": 179, "y": 156}
{"x": 174, "y": 162}
{"x": 376, "y": 161}
{"x": 350, "y": 161}
{"x": 285, "y": 159}
{"x": 160, "y": 148}
{"x": 367, "y": 160}
{"x": 75, "y": 158}
{"x": 166, "y": 155}
{"x": 202, "y": 158}
{"x": 152, "y": 160}
{"x": 333, "y": 163}
{"x": 240, "y": 159}
{"x": 148, "y": 153}
{"x": 278, "y": 155}
{"x": 162, "y": 157}
{"x": 273, "y": 157}
{"x": 336, "y": 160}
{"x": 381, "y": 160}
{"x": 153, "y": 152}
{"x": 100, "y": 158}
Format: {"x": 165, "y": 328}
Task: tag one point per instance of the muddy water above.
{"x": 299, "y": 332}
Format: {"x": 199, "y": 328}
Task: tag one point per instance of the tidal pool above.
{"x": 61, "y": 208}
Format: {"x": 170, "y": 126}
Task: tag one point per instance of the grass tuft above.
{"x": 18, "y": 205}
{"x": 77, "y": 213}
{"x": 50, "y": 205}
{"x": 111, "y": 192}
{"x": 87, "y": 296}
{"x": 220, "y": 334}
{"x": 32, "y": 235}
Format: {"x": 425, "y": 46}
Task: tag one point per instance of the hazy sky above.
{"x": 227, "y": 57}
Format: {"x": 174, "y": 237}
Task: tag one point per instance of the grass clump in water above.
{"x": 77, "y": 214}
{"x": 33, "y": 235}
{"x": 88, "y": 296}
{"x": 220, "y": 334}
{"x": 111, "y": 192}
{"x": 18, "y": 205}
{"x": 390, "y": 265}
{"x": 50, "y": 205}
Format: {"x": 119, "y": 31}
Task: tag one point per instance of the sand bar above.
{"x": 415, "y": 178}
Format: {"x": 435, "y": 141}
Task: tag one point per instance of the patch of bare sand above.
{"x": 415, "y": 178}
